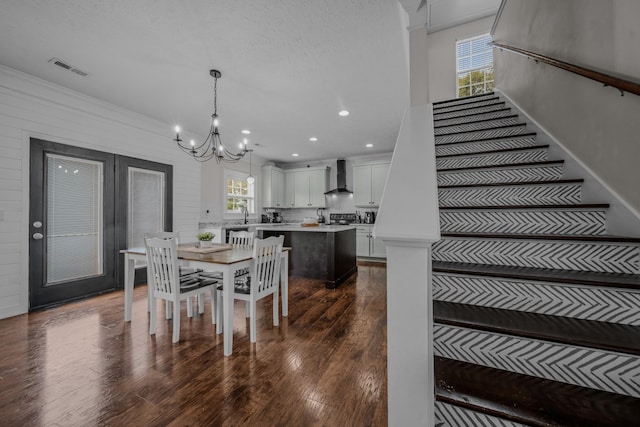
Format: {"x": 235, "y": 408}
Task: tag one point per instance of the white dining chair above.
{"x": 163, "y": 278}
{"x": 184, "y": 273}
{"x": 241, "y": 238}
{"x": 263, "y": 280}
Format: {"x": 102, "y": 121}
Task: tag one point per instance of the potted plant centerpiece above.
{"x": 205, "y": 239}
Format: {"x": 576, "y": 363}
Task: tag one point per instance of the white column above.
{"x": 418, "y": 70}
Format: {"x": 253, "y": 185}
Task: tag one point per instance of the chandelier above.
{"x": 212, "y": 147}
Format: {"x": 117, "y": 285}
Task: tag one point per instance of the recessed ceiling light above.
{"x": 343, "y": 113}
{"x": 246, "y": 132}
{"x": 369, "y": 145}
{"x": 295, "y": 154}
{"x": 313, "y": 139}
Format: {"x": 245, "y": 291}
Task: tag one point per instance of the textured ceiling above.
{"x": 288, "y": 66}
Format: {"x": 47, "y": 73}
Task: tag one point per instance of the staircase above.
{"x": 536, "y": 308}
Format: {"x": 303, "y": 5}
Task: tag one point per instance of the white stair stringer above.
{"x": 454, "y": 416}
{"x": 492, "y": 159}
{"x": 577, "y": 301}
{"x": 509, "y": 195}
{"x": 575, "y": 255}
{"x": 477, "y": 125}
{"x": 481, "y": 135}
{"x": 533, "y": 221}
{"x": 581, "y": 366}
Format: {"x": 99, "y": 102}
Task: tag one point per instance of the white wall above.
{"x": 442, "y": 56}
{"x": 30, "y": 107}
{"x": 597, "y": 126}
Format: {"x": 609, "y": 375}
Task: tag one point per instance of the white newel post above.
{"x": 408, "y": 224}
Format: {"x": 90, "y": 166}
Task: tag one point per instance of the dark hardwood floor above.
{"x": 82, "y": 365}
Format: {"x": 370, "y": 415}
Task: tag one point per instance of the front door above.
{"x": 72, "y": 223}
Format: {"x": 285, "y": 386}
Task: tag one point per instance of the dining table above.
{"x": 227, "y": 261}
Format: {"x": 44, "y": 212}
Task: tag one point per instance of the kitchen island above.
{"x": 325, "y": 252}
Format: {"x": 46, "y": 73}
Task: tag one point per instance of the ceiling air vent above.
{"x": 61, "y": 64}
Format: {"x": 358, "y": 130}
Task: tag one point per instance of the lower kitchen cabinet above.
{"x": 367, "y": 245}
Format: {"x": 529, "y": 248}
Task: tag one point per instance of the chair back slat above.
{"x": 241, "y": 238}
{"x": 162, "y": 266}
{"x": 266, "y": 264}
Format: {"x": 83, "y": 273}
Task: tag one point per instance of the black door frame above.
{"x": 39, "y": 294}
{"x": 122, "y": 204}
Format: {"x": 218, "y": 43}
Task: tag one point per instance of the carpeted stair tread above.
{"x": 484, "y": 153}
{"x": 513, "y": 184}
{"x": 614, "y": 280}
{"x": 503, "y": 166}
{"x": 565, "y": 330}
{"x": 564, "y": 237}
{"x": 581, "y": 206}
{"x": 530, "y": 400}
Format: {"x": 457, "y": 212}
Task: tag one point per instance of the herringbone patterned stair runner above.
{"x": 506, "y": 205}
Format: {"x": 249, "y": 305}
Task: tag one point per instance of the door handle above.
{"x": 37, "y": 236}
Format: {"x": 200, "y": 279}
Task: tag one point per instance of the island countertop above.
{"x": 323, "y": 228}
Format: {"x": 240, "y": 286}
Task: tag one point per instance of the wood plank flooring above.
{"x": 80, "y": 364}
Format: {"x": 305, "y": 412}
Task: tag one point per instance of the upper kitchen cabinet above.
{"x": 273, "y": 187}
{"x": 368, "y": 183}
{"x": 309, "y": 186}
{"x": 289, "y": 189}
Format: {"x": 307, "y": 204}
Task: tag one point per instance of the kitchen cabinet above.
{"x": 289, "y": 189}
{"x": 367, "y": 245}
{"x": 368, "y": 183}
{"x": 273, "y": 187}
{"x": 309, "y": 186}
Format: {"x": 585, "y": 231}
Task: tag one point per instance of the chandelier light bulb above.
{"x": 221, "y": 148}
{"x": 193, "y": 143}
{"x": 216, "y": 122}
{"x": 240, "y": 146}
{"x": 177, "y": 129}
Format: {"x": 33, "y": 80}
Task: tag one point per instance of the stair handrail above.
{"x": 606, "y": 79}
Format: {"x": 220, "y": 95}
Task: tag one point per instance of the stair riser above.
{"x": 563, "y": 255}
{"x": 462, "y": 101}
{"x": 478, "y": 104}
{"x": 438, "y": 116}
{"x": 476, "y": 126}
{"x": 538, "y": 155}
{"x": 482, "y": 134}
{"x": 474, "y": 118}
{"x": 510, "y": 196}
{"x": 523, "y": 174}
{"x": 455, "y": 416}
{"x": 581, "y": 366}
{"x": 553, "y": 299}
{"x": 526, "y": 222}
{"x": 478, "y": 147}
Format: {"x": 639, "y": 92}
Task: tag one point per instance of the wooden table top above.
{"x": 230, "y": 256}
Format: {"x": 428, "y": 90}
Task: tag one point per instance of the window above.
{"x": 238, "y": 194}
{"x": 474, "y": 66}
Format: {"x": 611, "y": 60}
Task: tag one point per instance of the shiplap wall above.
{"x": 30, "y": 107}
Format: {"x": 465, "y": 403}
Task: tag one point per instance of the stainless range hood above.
{"x": 342, "y": 179}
